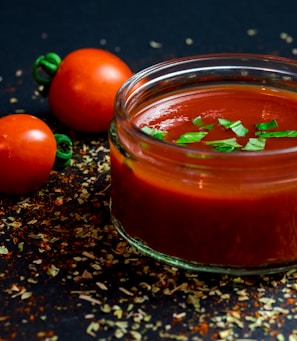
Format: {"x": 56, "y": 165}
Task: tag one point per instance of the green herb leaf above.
{"x": 237, "y": 127}
{"x": 225, "y": 149}
{"x": 191, "y": 137}
{"x": 225, "y": 123}
{"x": 158, "y": 134}
{"x": 255, "y": 144}
{"x": 198, "y": 122}
{"x": 225, "y": 145}
{"x": 285, "y": 133}
{"x": 266, "y": 125}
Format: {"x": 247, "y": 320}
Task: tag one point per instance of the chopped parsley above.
{"x": 284, "y": 133}
{"x": 266, "y": 125}
{"x": 158, "y": 134}
{"x": 225, "y": 145}
{"x": 255, "y": 143}
{"x": 237, "y": 127}
{"x": 198, "y": 122}
{"x": 191, "y": 137}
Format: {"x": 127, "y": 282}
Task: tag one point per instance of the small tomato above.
{"x": 28, "y": 151}
{"x": 83, "y": 87}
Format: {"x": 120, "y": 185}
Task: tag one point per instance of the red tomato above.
{"x": 82, "y": 92}
{"x": 27, "y": 153}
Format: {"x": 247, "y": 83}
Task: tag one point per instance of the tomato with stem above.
{"x": 29, "y": 150}
{"x": 82, "y": 87}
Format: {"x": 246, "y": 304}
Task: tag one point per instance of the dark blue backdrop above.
{"x": 142, "y": 33}
{"x": 132, "y": 28}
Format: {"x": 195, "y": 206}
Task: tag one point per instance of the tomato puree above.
{"x": 213, "y": 214}
{"x": 249, "y": 104}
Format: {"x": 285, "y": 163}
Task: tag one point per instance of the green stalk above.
{"x": 49, "y": 64}
{"x": 64, "y": 151}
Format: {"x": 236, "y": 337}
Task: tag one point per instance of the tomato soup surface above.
{"x": 249, "y": 104}
{"x": 223, "y": 223}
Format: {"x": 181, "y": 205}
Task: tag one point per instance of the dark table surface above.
{"x": 64, "y": 272}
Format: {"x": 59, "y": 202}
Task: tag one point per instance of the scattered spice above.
{"x": 252, "y": 32}
{"x": 62, "y": 260}
{"x": 155, "y": 44}
{"x": 13, "y": 100}
{"x": 189, "y": 41}
{"x": 53, "y": 270}
{"x": 286, "y": 37}
{"x": 3, "y": 250}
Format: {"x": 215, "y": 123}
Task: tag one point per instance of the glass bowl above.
{"x": 200, "y": 208}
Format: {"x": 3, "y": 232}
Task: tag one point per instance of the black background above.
{"x": 128, "y": 28}
{"x": 30, "y": 28}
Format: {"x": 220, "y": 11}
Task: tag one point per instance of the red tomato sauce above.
{"x": 219, "y": 224}
{"x": 249, "y": 104}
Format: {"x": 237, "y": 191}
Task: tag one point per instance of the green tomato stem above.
{"x": 49, "y": 64}
{"x": 64, "y": 151}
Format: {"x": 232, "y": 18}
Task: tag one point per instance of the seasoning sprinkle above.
{"x": 114, "y": 291}
{"x": 155, "y": 44}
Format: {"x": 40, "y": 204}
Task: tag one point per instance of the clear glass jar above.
{"x": 200, "y": 209}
